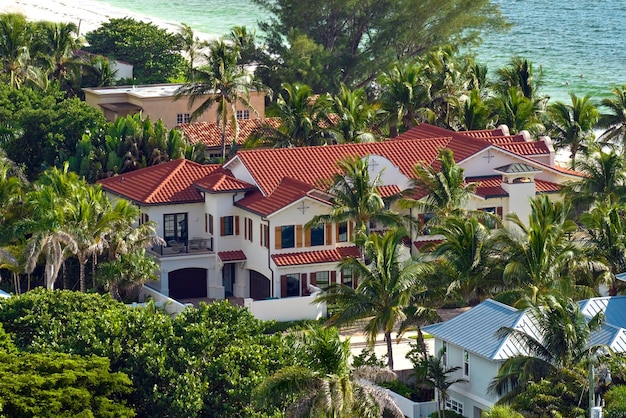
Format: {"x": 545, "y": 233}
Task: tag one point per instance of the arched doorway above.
{"x": 259, "y": 286}
{"x": 188, "y": 283}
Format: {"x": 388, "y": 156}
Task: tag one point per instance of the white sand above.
{"x": 86, "y": 14}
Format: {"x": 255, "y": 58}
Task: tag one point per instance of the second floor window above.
{"x": 466, "y": 363}
{"x": 175, "y": 227}
{"x": 342, "y": 232}
{"x": 317, "y": 235}
{"x": 229, "y": 225}
{"x": 183, "y": 118}
{"x": 243, "y": 114}
{"x": 287, "y": 235}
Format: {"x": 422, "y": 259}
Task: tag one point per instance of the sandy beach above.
{"x": 86, "y": 14}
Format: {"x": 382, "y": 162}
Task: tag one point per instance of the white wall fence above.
{"x": 412, "y": 409}
{"x": 286, "y": 309}
{"x": 171, "y": 306}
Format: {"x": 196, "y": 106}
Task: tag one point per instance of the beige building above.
{"x": 157, "y": 101}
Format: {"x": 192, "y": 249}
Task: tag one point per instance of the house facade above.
{"x": 239, "y": 228}
{"x": 470, "y": 342}
{"x": 157, "y": 101}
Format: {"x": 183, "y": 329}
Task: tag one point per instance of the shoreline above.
{"x": 88, "y": 15}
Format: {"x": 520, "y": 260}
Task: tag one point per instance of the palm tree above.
{"x": 192, "y": 46}
{"x": 384, "y": 288}
{"x": 445, "y": 190}
{"x": 519, "y": 74}
{"x": 321, "y": 383}
{"x": 517, "y": 111}
{"x": 614, "y": 121}
{"x": 303, "y": 116}
{"x": 438, "y": 378}
{"x": 56, "y": 43}
{"x": 354, "y": 116}
{"x": 561, "y": 341}
{"x": 355, "y": 199}
{"x": 15, "y": 41}
{"x": 467, "y": 252}
{"x": 222, "y": 82}
{"x": 571, "y": 126}
{"x": 473, "y": 111}
{"x": 405, "y": 97}
{"x": 542, "y": 257}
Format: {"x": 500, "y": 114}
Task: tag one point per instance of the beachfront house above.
{"x": 157, "y": 101}
{"x": 470, "y": 342}
{"x": 239, "y": 228}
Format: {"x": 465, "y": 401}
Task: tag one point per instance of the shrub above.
{"x": 615, "y": 399}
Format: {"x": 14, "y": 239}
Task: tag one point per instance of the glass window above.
{"x": 183, "y": 118}
{"x": 322, "y": 279}
{"x": 444, "y": 356}
{"x": 454, "y": 405}
{"x": 229, "y": 225}
{"x": 175, "y": 227}
{"x": 287, "y": 236}
{"x": 243, "y": 114}
{"x": 466, "y": 363}
{"x": 347, "y": 277}
{"x": 293, "y": 285}
{"x": 427, "y": 217}
{"x": 342, "y": 232}
{"x": 317, "y": 235}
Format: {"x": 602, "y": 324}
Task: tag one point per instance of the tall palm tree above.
{"x": 473, "y": 112}
{"x": 405, "y": 97}
{"x": 56, "y": 43}
{"x": 438, "y": 378}
{"x": 356, "y": 199}
{"x": 519, "y": 74}
{"x": 192, "y": 46}
{"x": 614, "y": 120}
{"x": 467, "y": 253}
{"x": 354, "y": 114}
{"x": 518, "y": 112}
{"x": 445, "y": 189}
{"x": 221, "y": 82}
{"x": 384, "y": 288}
{"x": 303, "y": 116}
{"x": 321, "y": 383}
{"x": 562, "y": 341}
{"x": 16, "y": 36}
{"x": 571, "y": 126}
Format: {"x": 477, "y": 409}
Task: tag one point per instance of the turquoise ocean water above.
{"x": 578, "y": 44}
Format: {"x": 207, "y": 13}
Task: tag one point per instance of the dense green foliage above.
{"x": 139, "y": 43}
{"x": 204, "y": 362}
{"x": 615, "y": 399}
{"x": 61, "y": 385}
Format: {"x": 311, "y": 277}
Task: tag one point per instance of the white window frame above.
{"x": 183, "y": 118}
{"x": 243, "y": 114}
{"x": 466, "y": 364}
{"x": 454, "y": 405}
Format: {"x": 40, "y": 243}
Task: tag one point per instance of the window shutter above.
{"x": 261, "y": 234}
{"x": 206, "y": 222}
{"x": 266, "y": 236}
{"x": 303, "y": 283}
{"x": 420, "y": 221}
{"x": 222, "y": 226}
{"x": 236, "y": 218}
{"x": 350, "y": 231}
{"x": 250, "y": 230}
{"x": 283, "y": 286}
{"x": 333, "y": 276}
{"x": 329, "y": 234}
{"x": 313, "y": 279}
{"x": 210, "y": 224}
{"x": 355, "y": 282}
{"x": 298, "y": 236}
{"x": 245, "y": 228}
{"x": 307, "y": 237}
{"x": 278, "y": 238}
{"x": 499, "y": 211}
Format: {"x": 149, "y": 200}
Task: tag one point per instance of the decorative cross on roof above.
{"x": 489, "y": 156}
{"x": 373, "y": 164}
{"x": 302, "y": 207}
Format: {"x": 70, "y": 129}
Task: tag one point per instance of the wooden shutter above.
{"x": 355, "y": 282}
{"x": 250, "y": 230}
{"x": 283, "y": 286}
{"x": 206, "y": 222}
{"x": 222, "y": 221}
{"x": 499, "y": 211}
{"x": 329, "y": 234}
{"x": 245, "y": 228}
{"x": 307, "y": 237}
{"x": 350, "y": 229}
{"x": 278, "y": 237}
{"x": 303, "y": 284}
{"x": 261, "y": 234}
{"x": 298, "y": 236}
{"x": 210, "y": 224}
{"x": 313, "y": 279}
{"x": 236, "y": 219}
{"x": 266, "y": 236}
{"x": 420, "y": 222}
{"x": 333, "y": 276}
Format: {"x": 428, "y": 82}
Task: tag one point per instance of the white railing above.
{"x": 286, "y": 309}
{"x": 171, "y": 306}
{"x": 412, "y": 409}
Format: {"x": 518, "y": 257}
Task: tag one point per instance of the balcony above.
{"x": 178, "y": 248}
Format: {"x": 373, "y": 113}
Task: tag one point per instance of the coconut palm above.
{"x": 517, "y": 111}
{"x": 322, "y": 383}
{"x": 561, "y": 341}
{"x": 355, "y": 199}
{"x": 438, "y": 377}
{"x": 55, "y": 44}
{"x": 519, "y": 74}
{"x": 614, "y": 120}
{"x": 192, "y": 46}
{"x": 16, "y": 37}
{"x": 443, "y": 191}
{"x": 221, "y": 82}
{"x": 473, "y": 112}
{"x": 542, "y": 257}
{"x": 571, "y": 126}
{"x": 354, "y": 116}
{"x": 466, "y": 254}
{"x": 303, "y": 118}
{"x": 385, "y": 287}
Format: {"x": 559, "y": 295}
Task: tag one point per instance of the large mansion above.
{"x": 239, "y": 228}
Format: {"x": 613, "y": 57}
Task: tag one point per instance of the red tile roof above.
{"x": 504, "y": 139}
{"x": 288, "y": 191}
{"x": 485, "y": 133}
{"x": 526, "y": 148}
{"x": 543, "y": 186}
{"x": 221, "y": 181}
{"x": 388, "y": 190}
{"x": 170, "y": 182}
{"x": 315, "y": 257}
{"x": 489, "y": 186}
{"x": 210, "y": 133}
{"x": 236, "y": 255}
